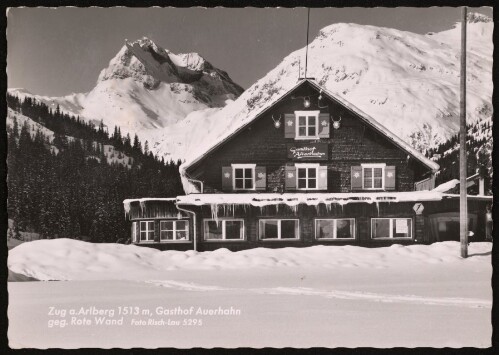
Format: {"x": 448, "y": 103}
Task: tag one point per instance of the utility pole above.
{"x": 463, "y": 205}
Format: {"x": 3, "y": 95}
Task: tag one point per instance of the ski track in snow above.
{"x": 347, "y": 295}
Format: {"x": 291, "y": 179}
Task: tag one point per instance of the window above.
{"x": 279, "y": 229}
{"x": 335, "y": 228}
{"x": 383, "y": 228}
{"x": 373, "y": 176}
{"x": 173, "y": 230}
{"x": 227, "y": 229}
{"x": 306, "y": 175}
{"x": 244, "y": 176}
{"x": 147, "y": 231}
{"x": 307, "y": 124}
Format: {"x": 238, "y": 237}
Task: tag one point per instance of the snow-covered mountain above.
{"x": 146, "y": 88}
{"x": 408, "y": 82}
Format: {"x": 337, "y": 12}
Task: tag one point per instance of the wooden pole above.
{"x": 463, "y": 208}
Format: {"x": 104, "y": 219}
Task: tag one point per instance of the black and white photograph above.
{"x": 249, "y": 177}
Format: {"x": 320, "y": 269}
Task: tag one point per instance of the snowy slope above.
{"x": 146, "y": 88}
{"x": 405, "y": 81}
{"x": 112, "y": 155}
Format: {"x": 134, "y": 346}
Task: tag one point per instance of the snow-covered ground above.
{"x": 331, "y": 296}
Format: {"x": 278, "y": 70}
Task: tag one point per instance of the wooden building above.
{"x": 307, "y": 169}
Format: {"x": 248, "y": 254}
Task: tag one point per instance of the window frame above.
{"x": 279, "y": 236}
{"x": 243, "y": 166}
{"x": 242, "y": 232}
{"x": 307, "y": 166}
{"x": 372, "y": 166}
{"x": 391, "y": 237}
{"x": 307, "y": 114}
{"x": 353, "y": 221}
{"x": 174, "y": 230}
{"x": 147, "y": 231}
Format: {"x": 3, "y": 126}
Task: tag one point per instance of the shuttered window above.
{"x": 307, "y": 124}
{"x": 372, "y": 177}
{"x": 307, "y": 176}
{"x": 244, "y": 177}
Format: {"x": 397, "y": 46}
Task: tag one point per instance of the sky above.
{"x": 58, "y": 51}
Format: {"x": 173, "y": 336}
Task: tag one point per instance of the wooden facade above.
{"x": 306, "y": 142}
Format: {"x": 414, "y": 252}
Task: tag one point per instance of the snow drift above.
{"x": 67, "y": 259}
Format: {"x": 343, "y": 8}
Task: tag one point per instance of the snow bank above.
{"x": 67, "y": 259}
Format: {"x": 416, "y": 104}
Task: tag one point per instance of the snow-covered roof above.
{"x": 446, "y": 186}
{"x": 365, "y": 117}
{"x": 449, "y": 185}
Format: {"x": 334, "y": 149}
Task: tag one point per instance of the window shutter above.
{"x": 390, "y": 178}
{"x": 260, "y": 178}
{"x": 290, "y": 178}
{"x": 356, "y": 177}
{"x": 324, "y": 125}
{"x": 135, "y": 232}
{"x": 226, "y": 178}
{"x": 289, "y": 125}
{"x": 322, "y": 180}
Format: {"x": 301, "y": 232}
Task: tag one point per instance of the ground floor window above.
{"x": 173, "y": 230}
{"x": 343, "y": 228}
{"x": 227, "y": 229}
{"x": 391, "y": 228}
{"x": 146, "y": 231}
{"x": 279, "y": 229}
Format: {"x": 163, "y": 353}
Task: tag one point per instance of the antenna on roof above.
{"x": 306, "y": 50}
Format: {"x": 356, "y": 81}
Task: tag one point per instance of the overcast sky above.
{"x": 59, "y": 51}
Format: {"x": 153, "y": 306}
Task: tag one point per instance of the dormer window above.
{"x": 307, "y": 124}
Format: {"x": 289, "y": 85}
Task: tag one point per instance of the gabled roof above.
{"x": 362, "y": 115}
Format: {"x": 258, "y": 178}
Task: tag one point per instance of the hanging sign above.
{"x": 307, "y": 151}
{"x": 418, "y": 208}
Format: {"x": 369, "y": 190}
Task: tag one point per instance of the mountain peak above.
{"x": 146, "y": 62}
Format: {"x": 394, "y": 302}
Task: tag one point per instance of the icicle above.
{"x": 126, "y": 205}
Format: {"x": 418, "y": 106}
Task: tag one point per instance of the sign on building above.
{"x": 307, "y": 151}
